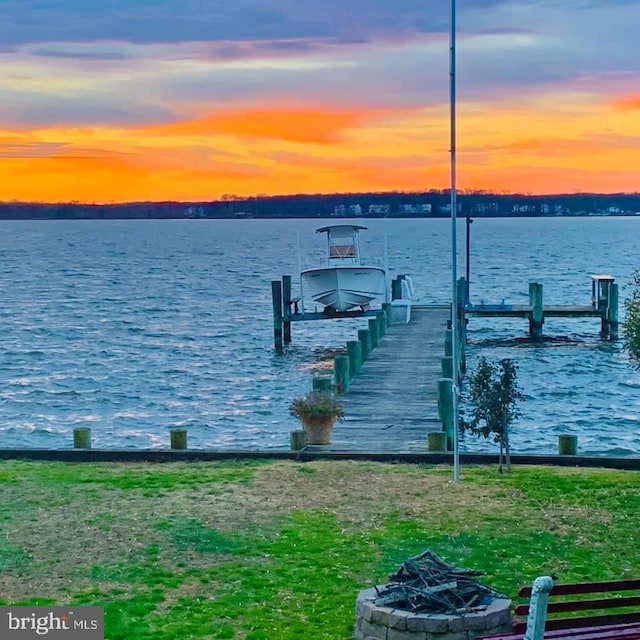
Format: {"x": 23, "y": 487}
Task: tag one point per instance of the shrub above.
{"x": 494, "y": 393}
{"x": 631, "y": 327}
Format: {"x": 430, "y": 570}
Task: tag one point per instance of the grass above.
{"x": 278, "y": 550}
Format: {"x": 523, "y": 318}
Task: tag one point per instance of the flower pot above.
{"x": 318, "y": 428}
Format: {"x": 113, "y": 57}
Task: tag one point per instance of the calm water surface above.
{"x": 136, "y": 327}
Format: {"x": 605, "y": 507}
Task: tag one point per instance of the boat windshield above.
{"x": 343, "y": 244}
{"x": 342, "y": 251}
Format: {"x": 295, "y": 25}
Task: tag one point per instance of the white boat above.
{"x": 345, "y": 283}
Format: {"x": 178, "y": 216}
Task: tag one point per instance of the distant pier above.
{"x": 604, "y": 305}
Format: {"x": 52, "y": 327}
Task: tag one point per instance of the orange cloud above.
{"x": 627, "y": 103}
{"x": 307, "y": 126}
{"x": 552, "y": 145}
{"x": 563, "y": 142}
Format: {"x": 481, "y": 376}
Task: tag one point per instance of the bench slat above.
{"x": 623, "y": 631}
{"x": 619, "y": 631}
{"x": 586, "y": 587}
{"x": 583, "y": 605}
{"x": 590, "y": 621}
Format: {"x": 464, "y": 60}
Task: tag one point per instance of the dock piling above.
{"x": 341, "y": 373}
{"x": 536, "y": 319}
{"x": 82, "y": 438}
{"x": 381, "y": 316}
{"x": 604, "y": 304}
{"x": 178, "y": 438}
{"x": 567, "y": 445}
{"x": 364, "y": 336}
{"x": 447, "y": 366}
{"x": 298, "y": 439}
{"x": 386, "y": 307}
{"x": 436, "y": 441}
{"x": 286, "y": 309}
{"x": 276, "y": 300}
{"x": 612, "y": 311}
{"x": 354, "y": 351}
{"x": 463, "y": 298}
{"x": 322, "y": 383}
{"x": 374, "y": 332}
{"x": 462, "y": 359}
{"x": 445, "y": 407}
{"x": 463, "y": 346}
{"x": 448, "y": 349}
{"x": 463, "y": 292}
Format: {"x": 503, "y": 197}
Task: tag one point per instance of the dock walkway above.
{"x": 392, "y": 403}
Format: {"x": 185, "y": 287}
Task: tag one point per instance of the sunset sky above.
{"x": 129, "y": 100}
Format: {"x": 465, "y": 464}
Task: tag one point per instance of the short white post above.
{"x": 538, "y": 608}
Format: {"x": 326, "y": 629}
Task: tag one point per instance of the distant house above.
{"x": 379, "y": 209}
{"x": 523, "y": 208}
{"x": 447, "y": 208}
{"x": 347, "y": 210}
{"x": 414, "y": 208}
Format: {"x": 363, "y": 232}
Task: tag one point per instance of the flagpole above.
{"x": 454, "y": 240}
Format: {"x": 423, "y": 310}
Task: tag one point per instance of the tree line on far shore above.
{"x": 424, "y": 204}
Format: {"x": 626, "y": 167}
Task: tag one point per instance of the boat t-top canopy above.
{"x": 330, "y": 228}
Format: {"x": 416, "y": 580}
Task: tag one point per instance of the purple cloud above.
{"x": 29, "y": 109}
{"x": 142, "y": 61}
{"x": 144, "y": 21}
{"x": 78, "y": 55}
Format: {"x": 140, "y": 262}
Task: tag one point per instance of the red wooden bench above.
{"x": 598, "y": 607}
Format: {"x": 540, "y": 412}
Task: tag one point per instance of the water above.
{"x": 136, "y": 327}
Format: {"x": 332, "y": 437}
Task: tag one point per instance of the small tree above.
{"x": 631, "y": 327}
{"x": 494, "y": 393}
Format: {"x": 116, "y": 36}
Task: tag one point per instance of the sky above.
{"x": 152, "y": 100}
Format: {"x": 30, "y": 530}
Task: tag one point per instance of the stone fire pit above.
{"x": 427, "y": 599}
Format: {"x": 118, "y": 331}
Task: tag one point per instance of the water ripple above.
{"x": 135, "y": 327}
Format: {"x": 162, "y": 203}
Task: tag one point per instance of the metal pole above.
{"x": 454, "y": 240}
{"x": 387, "y": 282}
{"x": 468, "y": 256}
{"x": 300, "y": 274}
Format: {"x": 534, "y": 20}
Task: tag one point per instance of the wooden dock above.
{"x": 391, "y": 404}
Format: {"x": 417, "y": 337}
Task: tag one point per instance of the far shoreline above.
{"x": 430, "y": 204}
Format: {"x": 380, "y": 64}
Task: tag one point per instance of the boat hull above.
{"x": 345, "y": 287}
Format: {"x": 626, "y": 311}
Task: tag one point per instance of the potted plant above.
{"x": 318, "y": 412}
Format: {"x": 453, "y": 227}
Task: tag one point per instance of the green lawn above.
{"x": 279, "y": 550}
